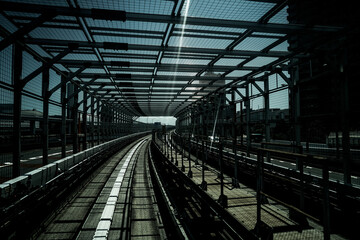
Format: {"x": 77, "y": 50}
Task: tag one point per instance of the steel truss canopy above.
{"x": 154, "y": 57}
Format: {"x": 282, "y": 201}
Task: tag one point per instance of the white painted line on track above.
{"x": 103, "y": 227}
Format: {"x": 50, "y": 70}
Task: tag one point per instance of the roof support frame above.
{"x": 89, "y": 13}
{"x": 20, "y": 33}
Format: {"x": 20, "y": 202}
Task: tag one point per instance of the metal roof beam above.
{"x": 161, "y": 67}
{"x": 126, "y": 91}
{"x": 143, "y": 17}
{"x": 147, "y": 77}
{"x": 156, "y": 85}
{"x": 139, "y": 47}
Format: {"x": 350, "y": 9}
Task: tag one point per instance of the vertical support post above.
{"x": 241, "y": 124}
{"x": 176, "y": 160}
{"x": 75, "y": 136}
{"x": 301, "y": 169}
{"x": 295, "y": 98}
{"x": 164, "y": 144}
{"x": 345, "y": 129}
{"x": 326, "y": 203}
{"x": 204, "y": 157}
{"x": 45, "y": 133}
{"x": 103, "y": 122}
{"x": 118, "y": 123}
{"x": 16, "y": 76}
{"x": 182, "y": 155}
{"x": 248, "y": 131}
{"x": 204, "y": 121}
{"x": 197, "y": 150}
{"x": 121, "y": 123}
{"x": 167, "y": 145}
{"x": 267, "y": 113}
{"x": 235, "y": 181}
{"x": 85, "y": 108}
{"x": 110, "y": 123}
{"x": 190, "y": 175}
{"x": 98, "y": 127}
{"x": 63, "y": 115}
{"x": 222, "y": 113}
{"x": 171, "y": 148}
{"x": 104, "y": 118}
{"x": 222, "y": 198}
{"x": 92, "y": 120}
{"x": 259, "y": 188}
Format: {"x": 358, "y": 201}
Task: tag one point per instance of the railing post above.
{"x": 223, "y": 200}
{"x": 204, "y": 156}
{"x": 190, "y": 175}
{"x": 176, "y": 160}
{"x": 326, "y": 204}
{"x": 182, "y": 155}
{"x": 259, "y": 188}
{"x": 171, "y": 149}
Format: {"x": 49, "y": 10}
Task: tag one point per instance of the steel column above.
{"x": 45, "y": 133}
{"x": 259, "y": 189}
{"x": 295, "y": 97}
{"x": 190, "y": 174}
{"x": 223, "y": 200}
{"x": 326, "y": 202}
{"x": 92, "y": 120}
{"x": 235, "y": 181}
{"x": 16, "y": 76}
{"x": 98, "y": 128}
{"x": 63, "y": 115}
{"x": 204, "y": 157}
{"x": 267, "y": 113}
{"x": 345, "y": 115}
{"x": 182, "y": 155}
{"x": 248, "y": 130}
{"x": 75, "y": 118}
{"x": 85, "y": 108}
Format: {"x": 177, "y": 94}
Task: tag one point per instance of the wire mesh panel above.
{"x": 6, "y": 111}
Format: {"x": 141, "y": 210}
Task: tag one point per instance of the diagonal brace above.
{"x": 71, "y": 76}
{"x": 26, "y": 29}
{"x": 258, "y": 87}
{"x": 46, "y": 65}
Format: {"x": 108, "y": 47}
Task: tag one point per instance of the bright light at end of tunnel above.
{"x": 165, "y": 120}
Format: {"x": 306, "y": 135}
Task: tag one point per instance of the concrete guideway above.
{"x": 112, "y": 205}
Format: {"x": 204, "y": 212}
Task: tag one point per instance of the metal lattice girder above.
{"x": 126, "y": 66}
{"x": 175, "y": 85}
{"x": 120, "y": 15}
{"x": 138, "y": 47}
{"x": 145, "y": 77}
